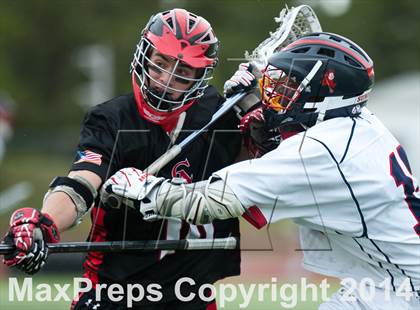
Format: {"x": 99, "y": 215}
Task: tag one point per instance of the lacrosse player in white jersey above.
{"x": 337, "y": 172}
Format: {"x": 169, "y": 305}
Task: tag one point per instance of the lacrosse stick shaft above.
{"x": 229, "y": 243}
{"x": 115, "y": 201}
{"x": 163, "y": 160}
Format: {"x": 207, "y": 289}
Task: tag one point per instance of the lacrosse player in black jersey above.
{"x": 172, "y": 65}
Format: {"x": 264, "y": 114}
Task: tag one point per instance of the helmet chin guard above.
{"x": 166, "y": 119}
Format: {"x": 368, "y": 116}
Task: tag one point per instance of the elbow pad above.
{"x": 80, "y": 191}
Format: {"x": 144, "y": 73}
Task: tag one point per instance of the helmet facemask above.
{"x": 278, "y": 89}
{"x": 158, "y": 95}
{"x": 281, "y": 93}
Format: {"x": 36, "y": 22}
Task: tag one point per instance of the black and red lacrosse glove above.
{"x": 29, "y": 232}
{"x": 252, "y": 121}
{"x": 258, "y": 139}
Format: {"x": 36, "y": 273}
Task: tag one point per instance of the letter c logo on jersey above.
{"x": 178, "y": 172}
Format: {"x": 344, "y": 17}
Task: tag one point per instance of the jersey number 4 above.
{"x": 401, "y": 172}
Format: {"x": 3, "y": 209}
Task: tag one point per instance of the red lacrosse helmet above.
{"x": 184, "y": 39}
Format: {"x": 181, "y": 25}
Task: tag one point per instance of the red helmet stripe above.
{"x": 181, "y": 17}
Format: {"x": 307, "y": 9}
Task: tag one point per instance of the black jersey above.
{"x": 114, "y": 136}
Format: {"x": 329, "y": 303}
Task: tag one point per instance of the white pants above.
{"x": 346, "y": 299}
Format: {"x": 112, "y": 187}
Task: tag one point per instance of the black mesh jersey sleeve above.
{"x": 96, "y": 143}
{"x": 114, "y": 136}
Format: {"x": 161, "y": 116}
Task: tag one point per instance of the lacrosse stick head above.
{"x": 293, "y": 23}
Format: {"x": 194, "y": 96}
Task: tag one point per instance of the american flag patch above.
{"x": 89, "y": 157}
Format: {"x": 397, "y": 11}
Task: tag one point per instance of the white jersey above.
{"x": 348, "y": 184}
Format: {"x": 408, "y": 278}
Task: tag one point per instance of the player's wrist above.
{"x": 49, "y": 229}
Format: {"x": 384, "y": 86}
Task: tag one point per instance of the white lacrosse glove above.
{"x": 134, "y": 188}
{"x": 242, "y": 80}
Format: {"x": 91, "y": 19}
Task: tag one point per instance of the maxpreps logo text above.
{"x": 286, "y": 294}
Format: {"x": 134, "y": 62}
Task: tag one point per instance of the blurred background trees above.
{"x": 40, "y": 41}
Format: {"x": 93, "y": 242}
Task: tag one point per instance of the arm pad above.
{"x": 198, "y": 203}
{"x": 80, "y": 191}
